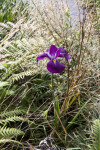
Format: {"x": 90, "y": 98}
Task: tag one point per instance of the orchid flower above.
{"x": 54, "y": 66}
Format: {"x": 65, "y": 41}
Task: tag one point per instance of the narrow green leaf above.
{"x": 75, "y": 117}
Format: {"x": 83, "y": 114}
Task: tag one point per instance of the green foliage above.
{"x": 2, "y": 84}
{"x": 6, "y": 132}
{"x": 6, "y": 11}
{"x": 77, "y": 114}
{"x": 96, "y": 134}
{"x": 33, "y": 30}
{"x": 74, "y": 148}
{"x": 3, "y": 141}
{"x": 22, "y": 75}
{"x": 12, "y": 113}
{"x": 98, "y": 3}
{"x": 12, "y": 119}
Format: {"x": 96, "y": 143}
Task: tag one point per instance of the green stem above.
{"x": 52, "y": 81}
{"x": 55, "y": 107}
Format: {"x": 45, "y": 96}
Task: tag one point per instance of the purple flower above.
{"x": 53, "y": 65}
{"x": 63, "y": 53}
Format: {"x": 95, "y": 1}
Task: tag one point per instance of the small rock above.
{"x": 46, "y": 144}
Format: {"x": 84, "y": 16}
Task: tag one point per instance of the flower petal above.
{"x": 67, "y": 56}
{"x": 53, "y": 51}
{"x": 55, "y": 67}
{"x": 58, "y": 53}
{"x": 64, "y": 53}
{"x": 42, "y": 56}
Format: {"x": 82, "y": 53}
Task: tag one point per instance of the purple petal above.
{"x": 53, "y": 50}
{"x": 42, "y": 56}
{"x": 64, "y": 53}
{"x": 45, "y": 54}
{"x": 67, "y": 56}
{"x": 55, "y": 67}
{"x": 58, "y": 53}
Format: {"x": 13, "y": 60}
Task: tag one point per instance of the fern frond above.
{"x": 96, "y": 133}
{"x": 3, "y": 141}
{"x": 13, "y": 113}
{"x": 14, "y": 119}
{"x": 16, "y": 77}
{"x": 9, "y": 132}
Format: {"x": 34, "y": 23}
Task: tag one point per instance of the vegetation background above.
{"x": 30, "y": 110}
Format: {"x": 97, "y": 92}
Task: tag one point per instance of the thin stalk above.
{"x": 52, "y": 81}
{"x": 55, "y": 115}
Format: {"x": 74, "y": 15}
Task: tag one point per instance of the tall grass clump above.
{"x": 66, "y": 109}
